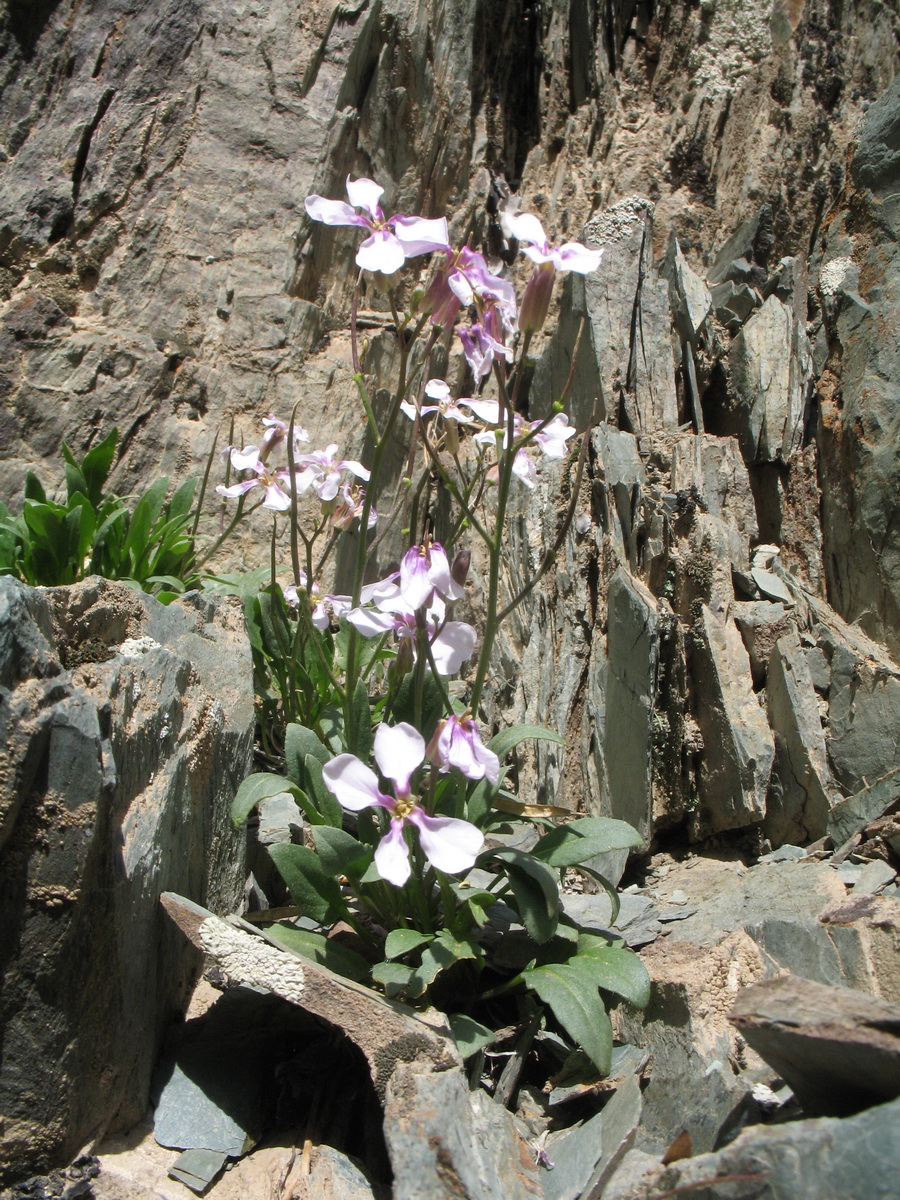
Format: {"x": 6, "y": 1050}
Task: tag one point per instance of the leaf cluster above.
{"x": 148, "y": 541}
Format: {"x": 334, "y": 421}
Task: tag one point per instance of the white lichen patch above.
{"x": 137, "y": 647}
{"x": 249, "y": 960}
{"x": 618, "y": 222}
{"x": 834, "y": 274}
{"x": 739, "y": 34}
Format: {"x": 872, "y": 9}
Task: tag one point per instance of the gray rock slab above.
{"x": 854, "y": 813}
{"x": 738, "y": 745}
{"x": 802, "y": 792}
{"x": 855, "y": 1158}
{"x": 863, "y": 708}
{"x": 761, "y": 623}
{"x": 127, "y": 728}
{"x": 689, "y": 296}
{"x": 874, "y": 876}
{"x": 771, "y": 367}
{"x": 585, "y": 1158}
{"x": 838, "y": 1049}
{"x": 449, "y": 1143}
{"x": 632, "y": 653}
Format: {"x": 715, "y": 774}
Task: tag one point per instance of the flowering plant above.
{"x": 410, "y": 864}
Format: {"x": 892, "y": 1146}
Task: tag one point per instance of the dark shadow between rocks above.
{"x": 256, "y": 1068}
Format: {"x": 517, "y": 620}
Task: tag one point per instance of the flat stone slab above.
{"x": 838, "y": 1049}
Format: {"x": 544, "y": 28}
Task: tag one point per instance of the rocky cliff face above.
{"x": 158, "y": 272}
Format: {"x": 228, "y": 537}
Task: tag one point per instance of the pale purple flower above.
{"x": 391, "y": 240}
{"x": 322, "y": 469}
{"x": 275, "y": 483}
{"x": 571, "y": 256}
{"x": 437, "y": 389}
{"x": 450, "y": 845}
{"x": 324, "y": 606}
{"x": 425, "y": 569}
{"x": 482, "y": 349}
{"x": 553, "y": 437}
{"x": 457, "y": 743}
{"x": 451, "y": 642}
{"x": 350, "y": 508}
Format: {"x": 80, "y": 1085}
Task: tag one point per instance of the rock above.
{"x": 802, "y": 791}
{"x": 128, "y": 727}
{"x": 855, "y": 812}
{"x": 859, "y": 456}
{"x": 633, "y": 650}
{"x": 689, "y": 296}
{"x": 838, "y": 1049}
{"x": 855, "y": 1158}
{"x": 738, "y": 746}
{"x": 876, "y": 162}
{"x": 866, "y": 931}
{"x": 695, "y": 1084}
{"x": 585, "y": 1157}
{"x": 875, "y": 876}
{"x": 442, "y": 1139}
{"x": 771, "y": 371}
{"x": 761, "y": 624}
{"x": 619, "y": 466}
{"x": 863, "y": 706}
{"x": 629, "y": 361}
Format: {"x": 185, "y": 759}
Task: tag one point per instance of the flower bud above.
{"x": 536, "y": 300}
{"x": 459, "y": 569}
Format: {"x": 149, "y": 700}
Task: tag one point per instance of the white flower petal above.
{"x": 452, "y": 646}
{"x": 415, "y": 583}
{"x": 421, "y": 236}
{"x": 333, "y": 212}
{"x": 353, "y": 783}
{"x": 370, "y": 623}
{"x": 246, "y": 459}
{"x": 350, "y": 464}
{"x": 450, "y": 845}
{"x": 399, "y": 749}
{"x": 437, "y": 389}
{"x": 525, "y": 227}
{"x": 381, "y": 252}
{"x": 392, "y": 855}
{"x": 575, "y": 257}
{"x": 236, "y": 489}
{"x": 364, "y": 193}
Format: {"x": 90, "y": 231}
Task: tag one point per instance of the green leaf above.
{"x": 34, "y": 489}
{"x": 180, "y": 504}
{"x": 96, "y": 463}
{"x": 480, "y": 803}
{"x": 469, "y": 1035}
{"x": 327, "y": 804}
{"x": 507, "y": 739}
{"x": 402, "y": 941}
{"x": 298, "y": 742}
{"x": 580, "y": 840}
{"x": 256, "y": 787}
{"x": 573, "y": 997}
{"x": 442, "y": 953}
{"x": 362, "y": 722}
{"x": 609, "y": 888}
{"x": 614, "y": 968}
{"x": 534, "y": 887}
{"x": 322, "y": 950}
{"x": 340, "y": 853}
{"x": 393, "y": 977}
{"x": 316, "y": 892}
